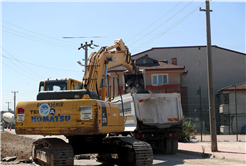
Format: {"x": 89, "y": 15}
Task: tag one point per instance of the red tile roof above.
{"x": 161, "y": 65}
{"x": 241, "y": 86}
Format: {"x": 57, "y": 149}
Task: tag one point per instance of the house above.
{"x": 160, "y": 76}
{"x": 233, "y": 115}
{"x": 229, "y": 68}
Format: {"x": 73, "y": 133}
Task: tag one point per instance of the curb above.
{"x": 210, "y": 155}
{"x": 222, "y": 157}
{"x": 198, "y": 154}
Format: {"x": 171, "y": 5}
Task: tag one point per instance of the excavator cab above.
{"x": 59, "y": 84}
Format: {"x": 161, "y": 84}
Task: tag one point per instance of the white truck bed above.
{"x": 158, "y": 110}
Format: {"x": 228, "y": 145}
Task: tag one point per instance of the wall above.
{"x": 166, "y": 88}
{"x": 228, "y": 68}
{"x": 172, "y": 86}
{"x": 173, "y": 77}
{"x": 241, "y": 102}
{"x": 241, "y": 109}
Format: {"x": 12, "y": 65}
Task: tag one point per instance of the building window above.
{"x": 140, "y": 61}
{"x": 148, "y": 61}
{"x": 159, "y": 79}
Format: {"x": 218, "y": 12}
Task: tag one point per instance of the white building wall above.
{"x": 238, "y": 113}
{"x": 240, "y": 102}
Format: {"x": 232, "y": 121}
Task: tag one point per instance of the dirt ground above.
{"x": 13, "y": 145}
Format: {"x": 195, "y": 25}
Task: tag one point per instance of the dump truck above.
{"x": 154, "y": 118}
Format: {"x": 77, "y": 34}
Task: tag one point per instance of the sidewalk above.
{"x": 221, "y": 138}
{"x": 228, "y": 148}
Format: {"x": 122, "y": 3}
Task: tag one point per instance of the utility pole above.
{"x": 14, "y": 98}
{"x": 212, "y": 116}
{"x": 8, "y": 104}
{"x": 85, "y": 47}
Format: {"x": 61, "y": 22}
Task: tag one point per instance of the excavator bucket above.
{"x": 134, "y": 83}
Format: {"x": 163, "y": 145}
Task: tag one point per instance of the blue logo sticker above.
{"x": 44, "y": 109}
{"x": 52, "y": 111}
{"x": 51, "y": 118}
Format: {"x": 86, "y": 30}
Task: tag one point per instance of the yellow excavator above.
{"x": 85, "y": 118}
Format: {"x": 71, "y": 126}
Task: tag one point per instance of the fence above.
{"x": 230, "y": 117}
{"x": 230, "y": 109}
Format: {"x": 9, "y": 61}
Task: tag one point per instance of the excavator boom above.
{"x": 100, "y": 61}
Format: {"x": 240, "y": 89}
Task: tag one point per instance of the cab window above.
{"x": 55, "y": 87}
{"x": 41, "y": 86}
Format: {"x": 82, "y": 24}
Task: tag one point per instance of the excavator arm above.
{"x": 100, "y": 61}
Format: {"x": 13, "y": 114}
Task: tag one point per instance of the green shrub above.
{"x": 188, "y": 131}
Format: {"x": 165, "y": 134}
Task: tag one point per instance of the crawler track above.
{"x": 53, "y": 152}
{"x": 118, "y": 150}
{"x": 131, "y": 152}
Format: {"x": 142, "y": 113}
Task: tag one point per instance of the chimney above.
{"x": 174, "y": 61}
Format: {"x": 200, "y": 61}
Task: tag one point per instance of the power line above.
{"x": 35, "y": 37}
{"x": 155, "y": 21}
{"x": 36, "y": 40}
{"x": 164, "y": 32}
{"x": 36, "y": 32}
{"x": 19, "y": 72}
{"x": 39, "y": 65}
{"x": 164, "y": 22}
{"x": 169, "y": 28}
{"x": 23, "y": 69}
{"x": 34, "y": 74}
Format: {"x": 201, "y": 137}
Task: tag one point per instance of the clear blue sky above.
{"x": 32, "y": 47}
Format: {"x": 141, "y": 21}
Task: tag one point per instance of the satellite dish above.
{"x": 85, "y": 37}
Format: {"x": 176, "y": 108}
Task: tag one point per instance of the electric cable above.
{"x": 35, "y": 37}
{"x": 19, "y": 72}
{"x": 22, "y": 69}
{"x": 37, "y": 40}
{"x": 155, "y": 21}
{"x": 22, "y": 64}
{"x": 164, "y": 22}
{"x": 39, "y": 65}
{"x": 36, "y": 32}
{"x": 169, "y": 28}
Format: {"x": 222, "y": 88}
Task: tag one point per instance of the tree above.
{"x": 188, "y": 131}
